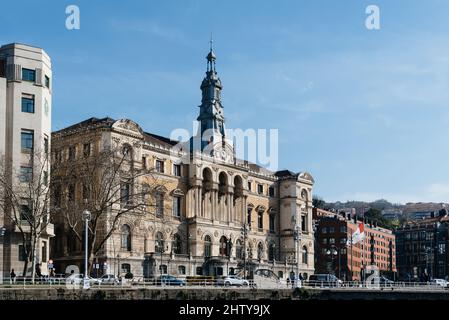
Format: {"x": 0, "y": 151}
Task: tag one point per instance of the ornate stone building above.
{"x": 217, "y": 214}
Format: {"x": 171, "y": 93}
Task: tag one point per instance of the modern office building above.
{"x": 25, "y": 133}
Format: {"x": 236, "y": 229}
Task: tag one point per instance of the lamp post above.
{"x": 297, "y": 238}
{"x": 87, "y": 217}
{"x": 333, "y": 252}
{"x": 245, "y": 234}
{"x": 2, "y": 234}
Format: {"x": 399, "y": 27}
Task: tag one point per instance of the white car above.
{"x": 109, "y": 279}
{"x": 232, "y": 281}
{"x": 78, "y": 279}
{"x": 439, "y": 282}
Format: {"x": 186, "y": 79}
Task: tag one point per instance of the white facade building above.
{"x": 25, "y": 131}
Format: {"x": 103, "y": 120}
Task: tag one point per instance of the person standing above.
{"x": 13, "y": 276}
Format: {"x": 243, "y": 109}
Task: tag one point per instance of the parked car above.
{"x": 232, "y": 281}
{"x": 325, "y": 280}
{"x": 109, "y": 279}
{"x": 169, "y": 280}
{"x": 439, "y": 282}
{"x": 78, "y": 279}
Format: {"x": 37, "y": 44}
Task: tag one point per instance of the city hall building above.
{"x": 211, "y": 213}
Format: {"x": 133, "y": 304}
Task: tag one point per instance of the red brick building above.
{"x": 333, "y": 255}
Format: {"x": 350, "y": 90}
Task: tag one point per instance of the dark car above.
{"x": 169, "y": 280}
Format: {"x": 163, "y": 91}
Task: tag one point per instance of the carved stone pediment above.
{"x": 128, "y": 127}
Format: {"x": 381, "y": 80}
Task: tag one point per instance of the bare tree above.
{"x": 26, "y": 202}
{"x": 110, "y": 184}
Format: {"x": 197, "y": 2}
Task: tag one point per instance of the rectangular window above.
{"x": 26, "y": 173}
{"x": 260, "y": 220}
{"x": 22, "y": 254}
{"x": 45, "y": 178}
{"x": 28, "y": 103}
{"x": 86, "y": 150}
{"x": 25, "y": 212}
{"x": 342, "y": 240}
{"x": 177, "y": 170}
{"x": 324, "y": 240}
{"x": 72, "y": 153}
{"x": 303, "y": 223}
{"x": 249, "y": 186}
{"x": 324, "y": 230}
{"x": 27, "y": 141}
{"x": 47, "y": 82}
{"x": 125, "y": 193}
{"x": 331, "y": 240}
{"x": 86, "y": 192}
{"x": 28, "y": 75}
{"x": 272, "y": 219}
{"x": 58, "y": 156}
{"x": 57, "y": 195}
{"x": 331, "y": 229}
{"x": 159, "y": 204}
{"x": 343, "y": 229}
{"x": 260, "y": 189}
{"x": 71, "y": 192}
{"x": 144, "y": 162}
{"x": 160, "y": 166}
{"x": 249, "y": 217}
{"x": 271, "y": 191}
{"x": 46, "y": 145}
{"x": 177, "y": 206}
{"x": 44, "y": 251}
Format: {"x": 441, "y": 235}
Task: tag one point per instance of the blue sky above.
{"x": 365, "y": 112}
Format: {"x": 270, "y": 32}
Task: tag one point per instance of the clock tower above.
{"x": 211, "y": 129}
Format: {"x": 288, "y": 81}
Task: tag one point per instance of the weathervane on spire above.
{"x": 211, "y": 56}
{"x": 211, "y": 41}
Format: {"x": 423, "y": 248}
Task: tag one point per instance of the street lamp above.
{"x": 244, "y": 232}
{"x": 2, "y": 233}
{"x": 333, "y": 252}
{"x": 297, "y": 238}
{"x": 86, "y": 216}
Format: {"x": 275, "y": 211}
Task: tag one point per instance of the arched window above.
{"x": 305, "y": 257}
{"x": 182, "y": 270}
{"x": 207, "y": 246}
{"x": 177, "y": 244}
{"x": 159, "y": 243}
{"x": 260, "y": 251}
{"x": 127, "y": 152}
{"x": 224, "y": 246}
{"x": 126, "y": 237}
{"x": 271, "y": 252}
{"x": 239, "y": 249}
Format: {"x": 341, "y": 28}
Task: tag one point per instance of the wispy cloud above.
{"x": 150, "y": 28}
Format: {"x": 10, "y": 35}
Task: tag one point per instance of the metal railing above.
{"x": 213, "y": 283}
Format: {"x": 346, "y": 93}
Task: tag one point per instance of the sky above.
{"x": 364, "y": 111}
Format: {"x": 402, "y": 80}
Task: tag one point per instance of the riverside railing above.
{"x": 27, "y": 283}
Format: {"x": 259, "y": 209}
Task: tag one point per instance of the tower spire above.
{"x": 211, "y": 57}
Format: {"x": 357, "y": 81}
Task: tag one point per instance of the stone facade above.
{"x": 219, "y": 198}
